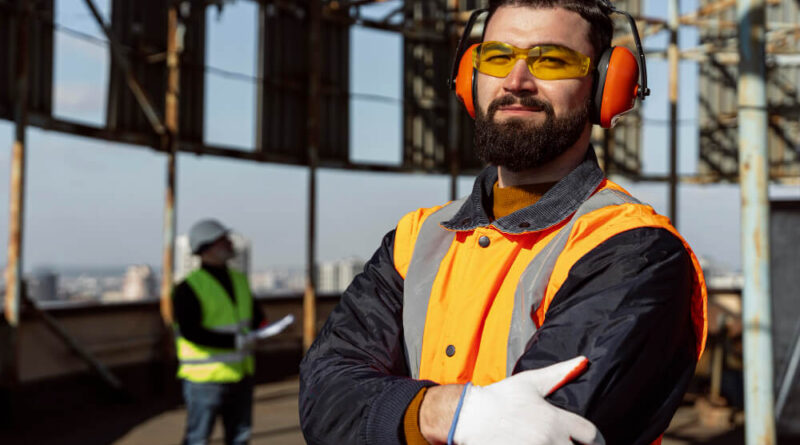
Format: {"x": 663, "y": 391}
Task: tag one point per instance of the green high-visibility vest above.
{"x": 204, "y": 364}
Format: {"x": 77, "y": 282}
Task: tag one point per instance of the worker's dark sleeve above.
{"x": 354, "y": 387}
{"x": 258, "y": 315}
{"x": 626, "y": 306}
{"x": 189, "y": 317}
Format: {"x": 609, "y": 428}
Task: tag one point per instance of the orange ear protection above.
{"x": 616, "y": 85}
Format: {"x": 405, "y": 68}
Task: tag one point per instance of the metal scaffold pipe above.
{"x": 169, "y": 143}
{"x": 754, "y": 177}
{"x": 674, "y": 61}
{"x": 315, "y": 83}
{"x": 16, "y": 201}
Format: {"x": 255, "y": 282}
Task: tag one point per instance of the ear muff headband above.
{"x": 462, "y": 78}
{"x": 643, "y": 91}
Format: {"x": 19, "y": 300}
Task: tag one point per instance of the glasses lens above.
{"x": 548, "y": 62}
{"x": 495, "y": 59}
{"x": 556, "y": 62}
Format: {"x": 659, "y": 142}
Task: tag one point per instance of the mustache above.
{"x": 525, "y": 101}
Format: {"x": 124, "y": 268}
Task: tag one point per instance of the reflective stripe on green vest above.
{"x": 200, "y": 363}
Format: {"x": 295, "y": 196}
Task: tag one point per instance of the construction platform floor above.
{"x": 275, "y": 421}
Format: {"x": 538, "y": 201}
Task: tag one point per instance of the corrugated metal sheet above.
{"x": 718, "y": 100}
{"x": 284, "y": 70}
{"x": 784, "y": 258}
{"x": 40, "y": 68}
{"x": 192, "y": 75}
{"x": 141, "y": 29}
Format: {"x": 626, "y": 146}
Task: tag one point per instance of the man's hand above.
{"x": 246, "y": 342}
{"x": 512, "y": 410}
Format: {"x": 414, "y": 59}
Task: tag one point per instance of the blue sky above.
{"x": 93, "y": 203}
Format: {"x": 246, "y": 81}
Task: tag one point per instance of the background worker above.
{"x": 470, "y": 314}
{"x": 215, "y": 320}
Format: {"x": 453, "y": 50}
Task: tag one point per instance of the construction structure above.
{"x": 156, "y": 93}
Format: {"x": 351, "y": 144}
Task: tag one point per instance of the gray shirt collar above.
{"x": 558, "y": 203}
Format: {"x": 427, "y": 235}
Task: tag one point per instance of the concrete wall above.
{"x": 126, "y": 334}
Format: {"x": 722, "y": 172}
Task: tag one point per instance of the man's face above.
{"x": 523, "y": 122}
{"x": 221, "y": 250}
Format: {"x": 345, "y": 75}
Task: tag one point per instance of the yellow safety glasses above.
{"x": 546, "y": 62}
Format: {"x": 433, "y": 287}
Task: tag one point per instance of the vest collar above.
{"x": 558, "y": 203}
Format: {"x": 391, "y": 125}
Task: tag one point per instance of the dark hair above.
{"x": 601, "y": 28}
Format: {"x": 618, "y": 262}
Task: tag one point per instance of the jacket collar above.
{"x": 558, "y": 203}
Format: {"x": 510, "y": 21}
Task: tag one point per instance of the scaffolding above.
{"x": 156, "y": 94}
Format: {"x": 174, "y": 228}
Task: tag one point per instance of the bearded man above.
{"x": 545, "y": 307}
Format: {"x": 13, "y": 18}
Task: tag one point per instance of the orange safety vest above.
{"x": 486, "y": 303}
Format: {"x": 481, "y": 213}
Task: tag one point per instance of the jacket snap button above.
{"x": 450, "y": 351}
{"x": 484, "y": 241}
{"x": 525, "y": 224}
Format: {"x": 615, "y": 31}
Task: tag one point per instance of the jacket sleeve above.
{"x": 354, "y": 387}
{"x": 626, "y": 306}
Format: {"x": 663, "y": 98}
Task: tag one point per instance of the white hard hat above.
{"x": 205, "y": 232}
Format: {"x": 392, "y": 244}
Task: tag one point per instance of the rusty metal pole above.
{"x": 454, "y": 109}
{"x": 17, "y": 189}
{"x": 170, "y": 144}
{"x": 310, "y": 296}
{"x": 674, "y": 60}
{"x": 754, "y": 182}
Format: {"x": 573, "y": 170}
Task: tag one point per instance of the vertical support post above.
{"x": 674, "y": 60}
{"x": 17, "y": 188}
{"x": 754, "y": 180}
{"x": 169, "y": 143}
{"x": 16, "y": 208}
{"x": 310, "y": 296}
{"x": 454, "y": 110}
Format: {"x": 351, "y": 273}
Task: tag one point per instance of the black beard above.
{"x": 519, "y": 145}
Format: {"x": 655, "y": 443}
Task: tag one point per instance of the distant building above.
{"x": 348, "y": 269}
{"x": 43, "y": 286}
{"x": 241, "y": 247}
{"x": 335, "y": 276}
{"x": 327, "y": 278}
{"x": 139, "y": 283}
{"x": 185, "y": 261}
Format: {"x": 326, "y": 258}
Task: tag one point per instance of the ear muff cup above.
{"x": 465, "y": 80}
{"x": 616, "y": 86}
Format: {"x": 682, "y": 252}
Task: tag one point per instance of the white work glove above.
{"x": 514, "y": 411}
{"x": 246, "y": 342}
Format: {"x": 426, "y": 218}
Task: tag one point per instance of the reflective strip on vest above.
{"x": 228, "y": 357}
{"x": 534, "y": 280}
{"x": 234, "y": 328}
{"x": 431, "y": 246}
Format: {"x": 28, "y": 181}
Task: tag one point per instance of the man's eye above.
{"x": 552, "y": 61}
{"x": 498, "y": 58}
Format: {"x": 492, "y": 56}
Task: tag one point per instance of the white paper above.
{"x": 276, "y": 328}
